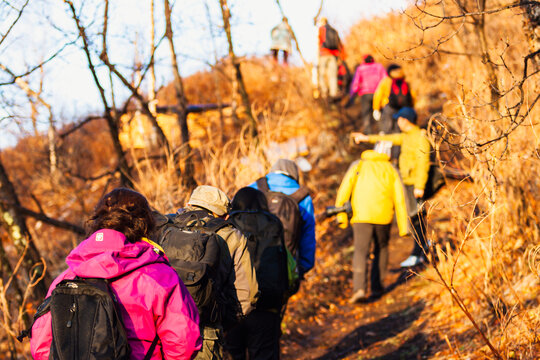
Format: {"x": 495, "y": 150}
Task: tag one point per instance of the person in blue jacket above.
{"x": 284, "y": 177}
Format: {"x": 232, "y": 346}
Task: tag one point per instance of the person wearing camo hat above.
{"x": 206, "y": 211}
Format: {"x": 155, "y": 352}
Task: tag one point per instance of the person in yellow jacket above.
{"x": 392, "y": 94}
{"x": 414, "y": 163}
{"x": 374, "y": 189}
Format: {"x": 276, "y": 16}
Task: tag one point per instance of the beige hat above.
{"x": 210, "y": 198}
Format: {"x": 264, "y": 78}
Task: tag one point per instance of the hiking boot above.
{"x": 411, "y": 261}
{"x": 360, "y": 295}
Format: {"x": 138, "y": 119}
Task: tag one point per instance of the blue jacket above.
{"x": 306, "y": 247}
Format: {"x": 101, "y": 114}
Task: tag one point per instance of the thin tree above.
{"x": 316, "y": 17}
{"x": 109, "y": 113}
{"x": 215, "y": 74}
{"x": 226, "y": 15}
{"x": 188, "y": 178}
{"x": 14, "y": 223}
{"x": 152, "y": 102}
{"x": 531, "y": 26}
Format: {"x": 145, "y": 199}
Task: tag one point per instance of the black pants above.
{"x": 275, "y": 53}
{"x": 258, "y": 335}
{"x": 366, "y": 115}
{"x": 418, "y": 220}
{"x": 364, "y": 234}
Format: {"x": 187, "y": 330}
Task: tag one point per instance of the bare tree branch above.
{"x": 20, "y": 12}
{"x": 112, "y": 122}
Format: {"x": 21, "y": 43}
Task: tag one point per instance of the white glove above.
{"x": 376, "y": 115}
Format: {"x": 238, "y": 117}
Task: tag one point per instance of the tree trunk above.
{"x": 234, "y": 97}
{"x": 531, "y": 25}
{"x": 188, "y": 178}
{"x": 152, "y": 102}
{"x": 226, "y": 14}
{"x": 215, "y": 77}
{"x": 15, "y": 225}
{"x": 480, "y": 31}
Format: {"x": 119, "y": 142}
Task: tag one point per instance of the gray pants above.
{"x": 387, "y": 124}
{"x": 364, "y": 234}
{"x": 366, "y": 116}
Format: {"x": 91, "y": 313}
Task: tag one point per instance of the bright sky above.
{"x": 68, "y": 85}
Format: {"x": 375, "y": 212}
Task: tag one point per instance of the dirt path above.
{"x": 320, "y": 324}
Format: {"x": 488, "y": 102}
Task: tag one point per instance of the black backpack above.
{"x": 194, "y": 252}
{"x": 331, "y": 39}
{"x": 286, "y": 208}
{"x": 85, "y": 322}
{"x": 266, "y": 247}
{"x": 400, "y": 94}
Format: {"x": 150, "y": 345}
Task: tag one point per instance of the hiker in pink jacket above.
{"x": 152, "y": 300}
{"x": 366, "y": 78}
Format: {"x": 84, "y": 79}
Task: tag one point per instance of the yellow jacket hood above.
{"x": 375, "y": 191}
{"x": 374, "y": 156}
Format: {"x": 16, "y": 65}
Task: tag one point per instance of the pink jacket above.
{"x": 153, "y": 298}
{"x": 366, "y": 78}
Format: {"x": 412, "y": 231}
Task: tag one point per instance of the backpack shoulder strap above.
{"x": 300, "y": 194}
{"x": 150, "y": 352}
{"x": 262, "y": 184}
{"x": 216, "y": 224}
{"x": 42, "y": 309}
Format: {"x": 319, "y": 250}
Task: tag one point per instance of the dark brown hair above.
{"x": 123, "y": 210}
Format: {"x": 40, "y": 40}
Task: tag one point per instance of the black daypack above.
{"x": 286, "y": 208}
{"x": 400, "y": 94}
{"x": 85, "y": 322}
{"x": 194, "y": 252}
{"x": 344, "y": 77}
{"x": 266, "y": 247}
{"x": 331, "y": 39}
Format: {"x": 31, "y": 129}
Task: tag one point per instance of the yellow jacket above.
{"x": 414, "y": 158}
{"x": 382, "y": 93}
{"x": 375, "y": 190}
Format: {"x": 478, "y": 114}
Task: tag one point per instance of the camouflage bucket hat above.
{"x": 211, "y": 198}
